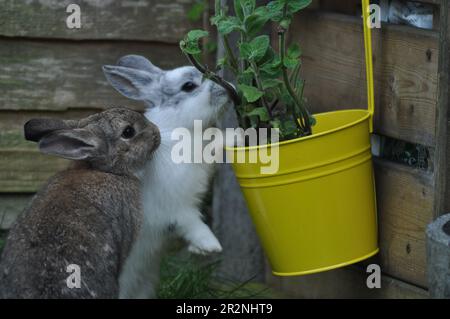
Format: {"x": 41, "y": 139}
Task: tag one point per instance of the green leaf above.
{"x": 268, "y": 57}
{"x": 292, "y": 58}
{"x": 248, "y": 7}
{"x": 270, "y": 83}
{"x": 289, "y": 128}
{"x": 190, "y": 43}
{"x": 195, "y": 35}
{"x": 294, "y": 51}
{"x": 263, "y": 12}
{"x": 251, "y": 93}
{"x": 291, "y": 63}
{"x": 245, "y": 78}
{"x": 276, "y": 123}
{"x": 261, "y": 112}
{"x": 196, "y": 11}
{"x": 238, "y": 10}
{"x": 256, "y": 21}
{"x": 254, "y": 24}
{"x": 256, "y": 49}
{"x": 190, "y": 47}
{"x": 228, "y": 25}
{"x": 260, "y": 45}
{"x": 275, "y": 10}
{"x": 216, "y": 19}
{"x": 297, "y": 5}
{"x": 272, "y": 68}
{"x": 245, "y": 50}
{"x": 285, "y": 23}
{"x": 285, "y": 97}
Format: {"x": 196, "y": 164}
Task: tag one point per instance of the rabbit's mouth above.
{"x": 219, "y": 96}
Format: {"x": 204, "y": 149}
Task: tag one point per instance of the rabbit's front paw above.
{"x": 205, "y": 244}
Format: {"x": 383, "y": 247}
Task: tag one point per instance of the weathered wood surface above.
{"x": 54, "y": 75}
{"x": 351, "y": 7}
{"x": 405, "y": 207}
{"x": 11, "y": 205}
{"x": 447, "y": 171}
{"x": 354, "y": 6}
{"x": 348, "y": 283}
{"x": 162, "y": 20}
{"x": 440, "y": 154}
{"x": 22, "y": 167}
{"x": 406, "y": 72}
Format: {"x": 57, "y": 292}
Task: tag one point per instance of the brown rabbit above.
{"x": 73, "y": 239}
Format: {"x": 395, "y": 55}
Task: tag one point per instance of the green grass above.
{"x": 189, "y": 277}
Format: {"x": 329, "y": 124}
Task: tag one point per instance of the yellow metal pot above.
{"x": 318, "y": 212}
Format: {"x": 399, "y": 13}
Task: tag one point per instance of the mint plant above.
{"x": 269, "y": 90}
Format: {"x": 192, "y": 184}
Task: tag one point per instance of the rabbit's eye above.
{"x": 128, "y": 132}
{"x": 189, "y": 87}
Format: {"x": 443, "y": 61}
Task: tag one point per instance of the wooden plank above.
{"x": 447, "y": 172}
{"x": 406, "y": 79}
{"x": 54, "y": 75}
{"x": 344, "y": 283}
{"x": 440, "y": 155}
{"x": 26, "y": 171}
{"x": 11, "y": 205}
{"x": 162, "y": 20}
{"x": 352, "y": 7}
{"x": 405, "y": 207}
{"x": 22, "y": 167}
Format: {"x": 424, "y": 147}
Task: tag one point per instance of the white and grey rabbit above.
{"x": 88, "y": 215}
{"x": 174, "y": 99}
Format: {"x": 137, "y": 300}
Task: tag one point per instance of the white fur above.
{"x": 171, "y": 194}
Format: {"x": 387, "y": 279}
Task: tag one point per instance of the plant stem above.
{"x": 305, "y": 124}
{"x": 260, "y": 87}
{"x": 274, "y": 104}
{"x": 206, "y": 26}
{"x": 233, "y": 60}
{"x": 215, "y": 78}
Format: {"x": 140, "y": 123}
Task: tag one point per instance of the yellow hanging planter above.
{"x": 318, "y": 212}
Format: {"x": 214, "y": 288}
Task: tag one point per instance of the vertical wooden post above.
{"x": 440, "y": 165}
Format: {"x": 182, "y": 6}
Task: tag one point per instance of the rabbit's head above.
{"x": 118, "y": 140}
{"x": 179, "y": 96}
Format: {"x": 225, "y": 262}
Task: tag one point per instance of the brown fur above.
{"x": 88, "y": 215}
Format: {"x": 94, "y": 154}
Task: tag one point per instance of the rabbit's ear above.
{"x": 76, "y": 144}
{"x": 138, "y": 62}
{"x": 35, "y": 129}
{"x": 132, "y": 83}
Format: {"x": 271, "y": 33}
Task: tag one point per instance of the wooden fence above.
{"x": 49, "y": 70}
{"x": 411, "y": 87}
{"x": 411, "y": 78}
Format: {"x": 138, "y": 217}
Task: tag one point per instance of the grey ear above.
{"x": 133, "y": 83}
{"x": 76, "y": 144}
{"x": 35, "y": 129}
{"x": 138, "y": 62}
